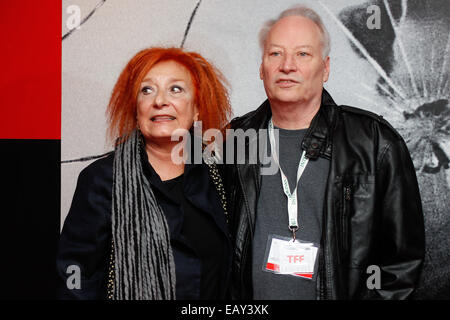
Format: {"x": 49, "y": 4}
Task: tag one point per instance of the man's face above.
{"x": 292, "y": 68}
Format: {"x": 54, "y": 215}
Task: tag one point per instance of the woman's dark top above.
{"x": 198, "y": 232}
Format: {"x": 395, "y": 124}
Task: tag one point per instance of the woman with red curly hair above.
{"x": 142, "y": 225}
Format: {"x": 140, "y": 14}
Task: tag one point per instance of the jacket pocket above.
{"x": 356, "y": 219}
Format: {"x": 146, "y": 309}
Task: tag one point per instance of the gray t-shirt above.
{"x": 272, "y": 218}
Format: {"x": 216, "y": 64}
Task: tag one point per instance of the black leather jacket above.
{"x": 372, "y": 212}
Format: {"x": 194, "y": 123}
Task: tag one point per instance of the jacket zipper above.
{"x": 243, "y": 292}
{"x": 344, "y": 218}
{"x": 246, "y": 243}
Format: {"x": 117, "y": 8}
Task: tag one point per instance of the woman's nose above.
{"x": 160, "y": 99}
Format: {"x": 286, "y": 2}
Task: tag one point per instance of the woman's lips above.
{"x": 162, "y": 118}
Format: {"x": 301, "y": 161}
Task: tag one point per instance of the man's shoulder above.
{"x": 361, "y": 117}
{"x": 238, "y": 122}
{"x": 252, "y": 119}
{"x": 361, "y": 112}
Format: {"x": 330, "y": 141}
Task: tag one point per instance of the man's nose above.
{"x": 288, "y": 64}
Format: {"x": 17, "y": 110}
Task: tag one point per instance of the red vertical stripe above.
{"x": 30, "y": 69}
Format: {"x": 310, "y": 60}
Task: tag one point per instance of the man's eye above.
{"x": 176, "y": 89}
{"x": 147, "y": 90}
{"x": 303, "y": 54}
{"x": 275, "y": 53}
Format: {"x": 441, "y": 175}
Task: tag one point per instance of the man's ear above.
{"x": 326, "y": 72}
{"x": 261, "y": 71}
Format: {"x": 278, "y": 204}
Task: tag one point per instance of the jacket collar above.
{"x": 318, "y": 139}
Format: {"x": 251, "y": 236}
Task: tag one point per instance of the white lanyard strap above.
{"x": 292, "y": 202}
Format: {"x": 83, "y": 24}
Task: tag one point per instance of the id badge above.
{"x": 285, "y": 256}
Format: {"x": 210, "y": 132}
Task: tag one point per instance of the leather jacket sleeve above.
{"x": 402, "y": 238}
{"x": 85, "y": 239}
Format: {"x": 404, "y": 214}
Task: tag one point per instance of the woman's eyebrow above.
{"x": 170, "y": 79}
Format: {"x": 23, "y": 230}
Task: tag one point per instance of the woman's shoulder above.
{"x": 100, "y": 170}
{"x": 101, "y": 165}
{"x": 92, "y": 196}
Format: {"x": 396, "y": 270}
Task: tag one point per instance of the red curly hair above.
{"x": 211, "y": 95}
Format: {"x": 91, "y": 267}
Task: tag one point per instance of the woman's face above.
{"x": 166, "y": 101}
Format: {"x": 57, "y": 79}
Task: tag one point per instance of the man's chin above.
{"x": 288, "y": 100}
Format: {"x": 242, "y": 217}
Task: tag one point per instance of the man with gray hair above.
{"x": 342, "y": 218}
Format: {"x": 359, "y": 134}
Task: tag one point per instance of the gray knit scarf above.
{"x": 144, "y": 267}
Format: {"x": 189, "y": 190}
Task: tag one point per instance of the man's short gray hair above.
{"x": 301, "y": 11}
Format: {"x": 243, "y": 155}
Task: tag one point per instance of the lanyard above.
{"x": 292, "y": 202}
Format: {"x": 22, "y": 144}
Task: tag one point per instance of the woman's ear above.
{"x": 196, "y": 113}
